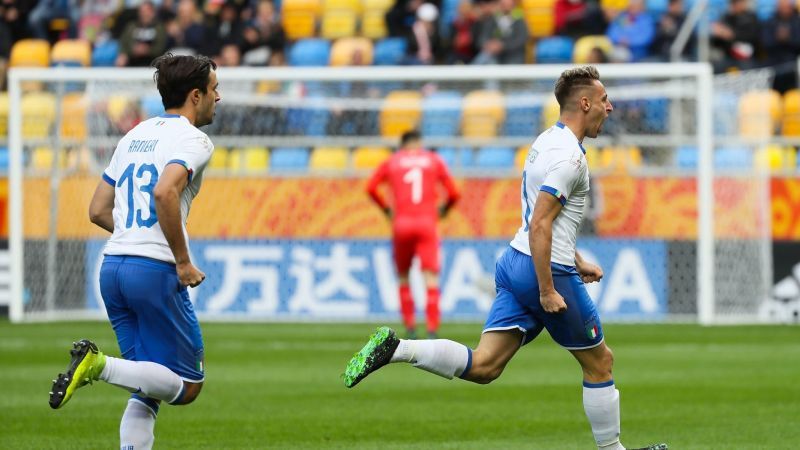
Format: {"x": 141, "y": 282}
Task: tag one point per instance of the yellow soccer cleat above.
{"x": 84, "y": 368}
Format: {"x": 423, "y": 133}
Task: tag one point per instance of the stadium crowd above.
{"x": 744, "y": 34}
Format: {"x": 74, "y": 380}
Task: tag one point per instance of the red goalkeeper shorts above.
{"x": 419, "y": 238}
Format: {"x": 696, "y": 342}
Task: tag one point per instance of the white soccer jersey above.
{"x": 556, "y": 165}
{"x": 137, "y": 163}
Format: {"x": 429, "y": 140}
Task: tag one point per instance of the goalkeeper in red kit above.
{"x": 414, "y": 175}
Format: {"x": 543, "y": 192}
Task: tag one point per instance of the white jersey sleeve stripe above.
{"x": 555, "y": 193}
{"x": 109, "y": 180}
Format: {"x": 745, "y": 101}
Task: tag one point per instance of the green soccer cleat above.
{"x": 653, "y": 447}
{"x": 375, "y": 354}
{"x": 84, "y": 368}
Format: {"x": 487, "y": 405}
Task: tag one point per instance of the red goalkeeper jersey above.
{"x": 414, "y": 177}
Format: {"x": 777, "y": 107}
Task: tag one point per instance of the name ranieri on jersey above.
{"x": 139, "y": 146}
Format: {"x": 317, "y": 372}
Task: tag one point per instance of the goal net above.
{"x": 679, "y": 218}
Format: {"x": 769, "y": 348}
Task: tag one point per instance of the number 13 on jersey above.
{"x": 145, "y": 173}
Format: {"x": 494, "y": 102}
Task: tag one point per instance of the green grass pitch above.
{"x": 278, "y": 386}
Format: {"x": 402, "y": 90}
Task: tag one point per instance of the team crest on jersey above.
{"x": 577, "y": 161}
{"x": 532, "y": 154}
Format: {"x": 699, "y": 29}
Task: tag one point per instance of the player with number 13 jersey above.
{"x": 139, "y": 159}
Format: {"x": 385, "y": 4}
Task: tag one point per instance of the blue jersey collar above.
{"x": 561, "y": 125}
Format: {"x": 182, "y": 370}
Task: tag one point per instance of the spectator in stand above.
{"x": 669, "y": 25}
{"x": 188, "y": 30}
{"x": 226, "y": 27}
{"x": 94, "y": 18}
{"x": 782, "y": 44}
{"x": 423, "y": 43}
{"x": 48, "y": 10}
{"x": 5, "y": 52}
{"x": 14, "y": 13}
{"x": 632, "y": 32}
{"x": 270, "y": 31}
{"x": 143, "y": 40}
{"x": 597, "y": 56}
{"x": 345, "y": 120}
{"x": 462, "y": 48}
{"x": 735, "y": 38}
{"x": 401, "y": 17}
{"x": 229, "y": 56}
{"x": 503, "y": 39}
{"x": 484, "y": 11}
{"x": 578, "y": 18}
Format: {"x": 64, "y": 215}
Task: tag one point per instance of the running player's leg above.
{"x": 146, "y": 287}
{"x": 403, "y": 242}
{"x": 169, "y": 334}
{"x": 579, "y": 330}
{"x": 508, "y": 326}
{"x": 428, "y": 252}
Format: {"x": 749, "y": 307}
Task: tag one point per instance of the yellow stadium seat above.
{"x": 538, "y": 4}
{"x": 585, "y": 45}
{"x": 551, "y": 113}
{"x": 759, "y": 113}
{"x": 299, "y": 24}
{"x": 329, "y": 158}
{"x": 80, "y": 159}
{"x": 775, "y": 157}
{"x": 73, "y": 115}
{"x": 72, "y": 51}
{"x": 338, "y": 24}
{"x": 592, "y": 157}
{"x": 219, "y": 159}
{"x": 484, "y": 112}
{"x": 370, "y": 157}
{"x": 790, "y": 125}
{"x": 349, "y": 5}
{"x": 373, "y": 24}
{"x": 256, "y": 159}
{"x": 313, "y": 6}
{"x": 614, "y": 5}
{"x": 3, "y": 114}
{"x": 38, "y": 113}
{"x": 539, "y": 17}
{"x": 343, "y": 51}
{"x": 401, "y": 112}
{"x": 381, "y": 5}
{"x": 30, "y": 53}
{"x": 540, "y": 23}
{"x": 118, "y": 106}
{"x": 621, "y": 158}
{"x": 42, "y": 158}
{"x": 519, "y": 158}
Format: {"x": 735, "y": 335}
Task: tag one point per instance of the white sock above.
{"x": 440, "y": 356}
{"x": 601, "y": 403}
{"x": 136, "y": 427}
{"x": 145, "y": 378}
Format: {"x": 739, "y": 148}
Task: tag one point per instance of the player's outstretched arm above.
{"x": 101, "y": 208}
{"x": 168, "y": 208}
{"x": 540, "y": 238}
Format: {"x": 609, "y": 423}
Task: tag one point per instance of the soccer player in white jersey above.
{"x": 540, "y": 277}
{"x": 143, "y": 200}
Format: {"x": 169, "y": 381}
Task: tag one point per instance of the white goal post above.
{"x": 688, "y": 90}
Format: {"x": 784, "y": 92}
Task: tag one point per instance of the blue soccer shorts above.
{"x": 152, "y": 315}
{"x": 517, "y": 304}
